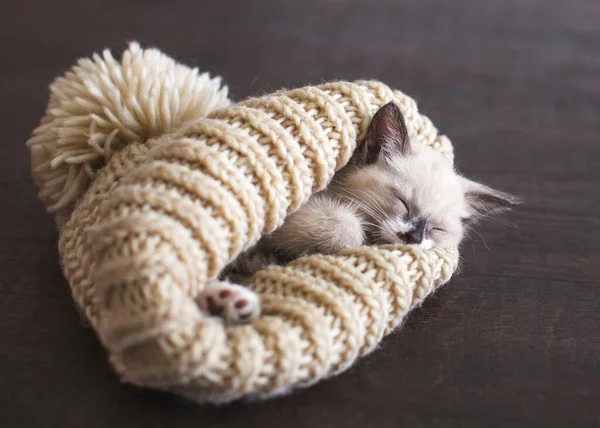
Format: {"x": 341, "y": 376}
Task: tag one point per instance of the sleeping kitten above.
{"x": 391, "y": 192}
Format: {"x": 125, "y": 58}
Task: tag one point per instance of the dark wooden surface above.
{"x": 513, "y": 341}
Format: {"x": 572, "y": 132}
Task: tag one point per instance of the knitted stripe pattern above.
{"x": 191, "y": 183}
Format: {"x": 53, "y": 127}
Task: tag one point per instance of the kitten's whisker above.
{"x": 376, "y": 203}
{"x": 499, "y": 220}
{"x": 378, "y": 214}
{"x": 365, "y": 203}
{"x": 481, "y": 236}
{"x": 368, "y": 223}
{"x": 472, "y": 245}
{"x": 505, "y": 223}
{"x": 366, "y": 207}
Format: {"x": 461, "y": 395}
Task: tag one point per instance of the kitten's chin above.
{"x": 427, "y": 244}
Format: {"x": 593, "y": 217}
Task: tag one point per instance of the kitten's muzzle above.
{"x": 412, "y": 237}
{"x": 415, "y": 235}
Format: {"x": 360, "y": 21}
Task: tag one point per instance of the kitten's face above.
{"x": 408, "y": 193}
{"x": 413, "y": 199}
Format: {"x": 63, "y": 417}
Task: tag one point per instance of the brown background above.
{"x": 512, "y": 341}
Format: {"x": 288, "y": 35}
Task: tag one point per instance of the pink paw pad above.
{"x": 232, "y": 302}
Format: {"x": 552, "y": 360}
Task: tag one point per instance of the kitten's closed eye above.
{"x": 405, "y": 204}
{"x": 400, "y": 197}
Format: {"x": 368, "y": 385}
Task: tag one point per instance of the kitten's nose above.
{"x": 415, "y": 236}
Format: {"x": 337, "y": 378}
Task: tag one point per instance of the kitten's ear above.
{"x": 483, "y": 201}
{"x": 387, "y": 135}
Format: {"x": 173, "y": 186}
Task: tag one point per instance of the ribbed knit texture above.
{"x": 175, "y": 196}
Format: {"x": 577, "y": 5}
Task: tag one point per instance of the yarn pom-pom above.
{"x": 103, "y": 104}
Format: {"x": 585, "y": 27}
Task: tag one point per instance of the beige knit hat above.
{"x": 157, "y": 183}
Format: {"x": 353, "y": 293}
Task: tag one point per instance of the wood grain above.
{"x": 513, "y": 341}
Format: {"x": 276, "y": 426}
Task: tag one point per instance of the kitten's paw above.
{"x": 256, "y": 261}
{"x": 232, "y": 302}
{"x": 248, "y": 263}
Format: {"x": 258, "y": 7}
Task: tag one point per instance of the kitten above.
{"x": 391, "y": 192}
